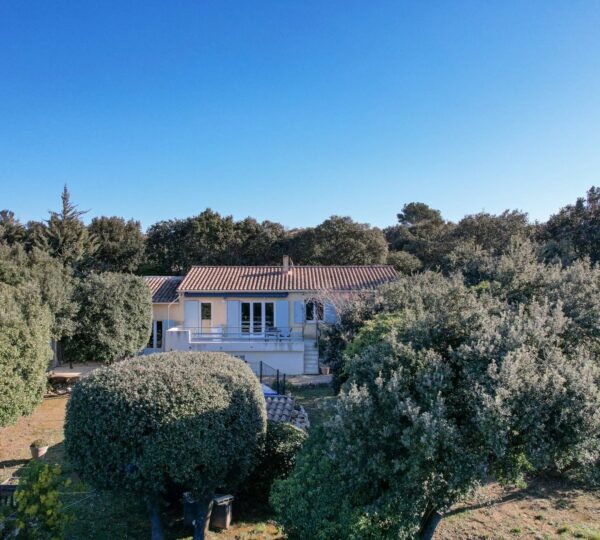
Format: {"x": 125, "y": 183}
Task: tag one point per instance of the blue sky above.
{"x": 296, "y": 110}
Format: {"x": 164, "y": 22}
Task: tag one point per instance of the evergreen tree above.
{"x": 66, "y": 235}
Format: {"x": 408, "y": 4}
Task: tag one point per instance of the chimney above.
{"x": 287, "y": 265}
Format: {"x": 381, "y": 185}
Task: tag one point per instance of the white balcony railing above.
{"x": 244, "y": 334}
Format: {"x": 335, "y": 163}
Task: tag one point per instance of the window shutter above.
{"x": 298, "y": 312}
{"x": 282, "y": 314}
{"x": 191, "y": 314}
{"x": 233, "y": 315}
{"x": 330, "y": 314}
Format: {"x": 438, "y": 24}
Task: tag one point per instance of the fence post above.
{"x": 278, "y": 383}
{"x": 260, "y": 372}
{"x": 283, "y": 393}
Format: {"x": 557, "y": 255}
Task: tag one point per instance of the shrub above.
{"x": 276, "y": 459}
{"x": 190, "y": 420}
{"x": 39, "y": 511}
{"x": 24, "y": 351}
{"x": 313, "y": 502}
{"x": 114, "y": 319}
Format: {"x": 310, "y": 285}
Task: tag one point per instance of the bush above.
{"x": 24, "y": 351}
{"x": 114, "y": 319}
{"x": 313, "y": 502}
{"x": 276, "y": 460}
{"x": 194, "y": 420}
{"x": 39, "y": 511}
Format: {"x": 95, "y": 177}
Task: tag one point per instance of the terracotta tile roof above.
{"x": 163, "y": 288}
{"x": 279, "y": 408}
{"x": 299, "y": 278}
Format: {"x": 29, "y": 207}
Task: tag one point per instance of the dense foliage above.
{"x": 24, "y": 350}
{"x": 119, "y": 244}
{"x": 450, "y": 380}
{"x": 195, "y": 420}
{"x": 39, "y": 513}
{"x": 114, "y": 318}
{"x": 276, "y": 459}
{"x": 420, "y": 240}
{"x": 339, "y": 240}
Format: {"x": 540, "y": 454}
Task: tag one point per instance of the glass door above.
{"x": 256, "y": 317}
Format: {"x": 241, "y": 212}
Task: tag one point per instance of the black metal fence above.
{"x": 269, "y": 375}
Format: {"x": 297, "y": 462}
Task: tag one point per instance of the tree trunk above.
{"x": 202, "y": 518}
{"x": 155, "y": 522}
{"x": 430, "y": 523}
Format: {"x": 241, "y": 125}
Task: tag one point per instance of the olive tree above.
{"x": 114, "y": 318}
{"x": 444, "y": 386}
{"x": 194, "y": 421}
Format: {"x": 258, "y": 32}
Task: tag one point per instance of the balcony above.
{"x": 233, "y": 334}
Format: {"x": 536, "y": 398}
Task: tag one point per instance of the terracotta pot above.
{"x": 38, "y": 452}
{"x": 325, "y": 370}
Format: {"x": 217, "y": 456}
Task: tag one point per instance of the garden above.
{"x": 465, "y": 404}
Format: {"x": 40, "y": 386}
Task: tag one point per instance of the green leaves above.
{"x": 24, "y": 351}
{"x": 114, "y": 318}
{"x": 194, "y": 420}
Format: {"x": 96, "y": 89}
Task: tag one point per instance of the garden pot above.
{"x": 325, "y": 370}
{"x": 38, "y": 452}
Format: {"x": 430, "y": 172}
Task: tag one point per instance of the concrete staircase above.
{"x": 311, "y": 357}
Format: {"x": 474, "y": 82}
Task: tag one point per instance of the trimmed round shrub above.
{"x": 114, "y": 319}
{"x": 185, "y": 419}
{"x": 276, "y": 459}
{"x": 24, "y": 351}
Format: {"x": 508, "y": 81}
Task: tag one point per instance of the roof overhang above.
{"x": 233, "y": 294}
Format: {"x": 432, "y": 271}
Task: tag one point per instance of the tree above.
{"x": 24, "y": 350}
{"x": 447, "y": 384}
{"x": 11, "y": 230}
{"x": 53, "y": 281}
{"x": 66, "y": 235}
{"x": 174, "y": 246}
{"x": 339, "y": 241}
{"x": 575, "y": 230}
{"x": 120, "y": 244}
{"x": 259, "y": 243}
{"x": 491, "y": 232}
{"x": 184, "y": 421}
{"x": 114, "y": 318}
{"x": 404, "y": 262}
{"x": 421, "y": 231}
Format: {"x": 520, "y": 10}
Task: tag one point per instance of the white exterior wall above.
{"x": 288, "y": 357}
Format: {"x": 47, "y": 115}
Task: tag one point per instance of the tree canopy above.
{"x": 114, "y": 318}
{"x": 24, "y": 350}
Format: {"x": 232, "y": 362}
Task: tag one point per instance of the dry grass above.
{"x": 546, "y": 509}
{"x": 45, "y": 423}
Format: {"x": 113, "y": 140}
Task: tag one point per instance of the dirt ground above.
{"x": 46, "y": 422}
{"x": 545, "y": 509}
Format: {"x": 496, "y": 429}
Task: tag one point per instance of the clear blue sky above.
{"x": 296, "y": 110}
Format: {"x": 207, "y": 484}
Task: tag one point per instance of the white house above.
{"x": 258, "y": 313}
